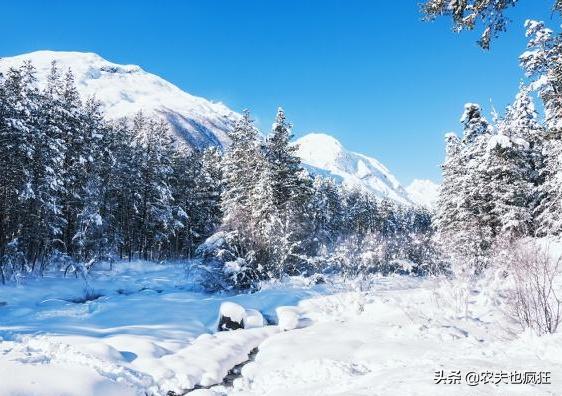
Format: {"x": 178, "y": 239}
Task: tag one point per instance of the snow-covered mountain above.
{"x": 325, "y": 155}
{"x": 126, "y": 89}
{"x": 424, "y": 192}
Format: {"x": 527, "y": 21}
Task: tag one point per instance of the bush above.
{"x": 225, "y": 266}
{"x": 533, "y": 299}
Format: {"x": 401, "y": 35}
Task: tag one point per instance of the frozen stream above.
{"x": 140, "y": 326}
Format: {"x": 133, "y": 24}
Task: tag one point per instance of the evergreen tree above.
{"x": 542, "y": 63}
{"x": 464, "y": 220}
{"x": 327, "y": 211}
{"x": 448, "y": 203}
{"x": 241, "y": 174}
{"x": 89, "y": 239}
{"x": 284, "y": 193}
{"x": 514, "y": 159}
{"x": 549, "y": 210}
{"x": 157, "y": 215}
{"x": 466, "y": 14}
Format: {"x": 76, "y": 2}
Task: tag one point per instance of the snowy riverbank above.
{"x": 149, "y": 331}
{"x": 146, "y": 328}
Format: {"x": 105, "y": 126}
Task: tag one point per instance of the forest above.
{"x": 78, "y": 189}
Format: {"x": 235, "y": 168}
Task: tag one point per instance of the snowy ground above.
{"x": 147, "y": 331}
{"x": 151, "y": 333}
{"x": 393, "y": 340}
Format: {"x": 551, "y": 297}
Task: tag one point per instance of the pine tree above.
{"x": 549, "y": 210}
{"x": 285, "y": 191}
{"x": 464, "y": 219}
{"x": 542, "y": 63}
{"x": 446, "y": 217}
{"x": 241, "y": 174}
{"x": 120, "y": 172}
{"x": 89, "y": 239}
{"x": 157, "y": 215}
{"x": 46, "y": 221}
{"x": 466, "y": 14}
{"x": 19, "y": 134}
{"x": 327, "y": 211}
{"x": 70, "y": 125}
{"x": 514, "y": 159}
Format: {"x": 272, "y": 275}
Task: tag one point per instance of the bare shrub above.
{"x": 533, "y": 298}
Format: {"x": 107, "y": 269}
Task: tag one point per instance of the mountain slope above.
{"x": 325, "y": 155}
{"x": 126, "y": 89}
{"x": 424, "y": 192}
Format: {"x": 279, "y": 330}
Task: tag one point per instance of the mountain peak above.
{"x": 125, "y": 89}
{"x": 424, "y": 192}
{"x": 322, "y": 138}
{"x": 325, "y": 155}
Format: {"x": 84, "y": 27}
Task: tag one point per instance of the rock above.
{"x": 231, "y": 316}
{"x": 287, "y": 318}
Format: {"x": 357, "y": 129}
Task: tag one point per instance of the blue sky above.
{"x": 368, "y": 72}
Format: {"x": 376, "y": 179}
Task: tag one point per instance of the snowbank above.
{"x": 393, "y": 340}
{"x": 232, "y": 316}
{"x": 287, "y": 317}
{"x": 145, "y": 328}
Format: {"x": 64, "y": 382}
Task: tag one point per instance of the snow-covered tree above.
{"x": 514, "y": 163}
{"x": 285, "y": 191}
{"x": 157, "y": 215}
{"x": 449, "y": 200}
{"x": 467, "y": 14}
{"x": 541, "y": 63}
{"x": 327, "y": 208}
{"x": 549, "y": 209}
{"x": 241, "y": 172}
{"x": 464, "y": 218}
{"x": 89, "y": 240}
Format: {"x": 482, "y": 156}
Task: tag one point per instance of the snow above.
{"x": 31, "y": 379}
{"x": 234, "y": 311}
{"x": 467, "y": 107}
{"x": 152, "y": 332}
{"x": 208, "y": 359}
{"x": 391, "y": 341}
{"x": 126, "y": 89}
{"x": 424, "y": 192}
{"x": 325, "y": 155}
{"x": 254, "y": 319}
{"x": 287, "y": 318}
{"x": 499, "y": 140}
{"x": 146, "y": 329}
